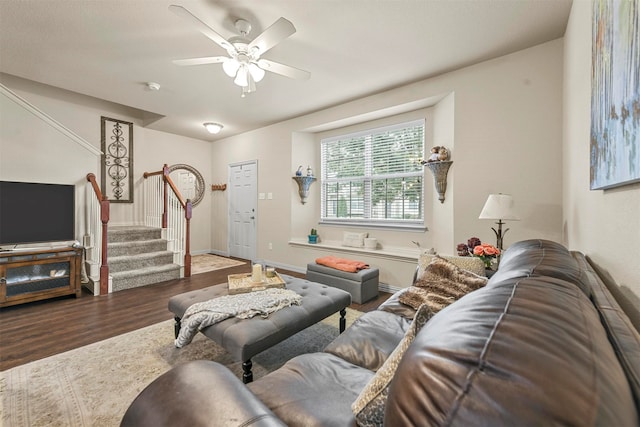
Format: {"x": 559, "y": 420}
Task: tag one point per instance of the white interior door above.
{"x": 243, "y": 196}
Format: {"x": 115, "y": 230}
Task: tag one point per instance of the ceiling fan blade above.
{"x": 201, "y": 26}
{"x": 284, "y": 70}
{"x": 278, "y": 31}
{"x": 201, "y": 61}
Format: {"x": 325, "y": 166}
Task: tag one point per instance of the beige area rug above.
{"x": 95, "y": 384}
{"x": 208, "y": 262}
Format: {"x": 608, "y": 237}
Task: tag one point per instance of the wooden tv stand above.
{"x": 36, "y": 274}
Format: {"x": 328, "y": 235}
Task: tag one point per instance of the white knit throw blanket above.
{"x": 244, "y": 306}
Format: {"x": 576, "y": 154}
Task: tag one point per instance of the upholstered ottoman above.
{"x": 363, "y": 285}
{"x": 245, "y": 338}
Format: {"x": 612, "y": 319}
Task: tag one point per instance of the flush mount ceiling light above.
{"x": 213, "y": 127}
{"x": 244, "y": 63}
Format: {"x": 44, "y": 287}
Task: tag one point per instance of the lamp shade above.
{"x": 499, "y": 206}
{"x": 256, "y": 72}
{"x": 230, "y": 67}
{"x": 242, "y": 76}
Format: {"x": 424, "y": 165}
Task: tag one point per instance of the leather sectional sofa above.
{"x": 543, "y": 343}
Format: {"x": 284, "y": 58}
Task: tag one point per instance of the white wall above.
{"x": 502, "y": 119}
{"x": 38, "y": 152}
{"x": 31, "y": 150}
{"x": 604, "y": 225}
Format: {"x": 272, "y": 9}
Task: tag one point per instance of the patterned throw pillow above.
{"x": 440, "y": 284}
{"x": 470, "y": 263}
{"x": 369, "y": 406}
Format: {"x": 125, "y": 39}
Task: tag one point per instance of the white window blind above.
{"x": 374, "y": 176}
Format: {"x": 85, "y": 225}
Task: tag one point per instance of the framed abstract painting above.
{"x": 615, "y": 94}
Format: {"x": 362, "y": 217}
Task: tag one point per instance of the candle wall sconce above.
{"x": 440, "y": 169}
{"x": 218, "y": 187}
{"x": 304, "y": 182}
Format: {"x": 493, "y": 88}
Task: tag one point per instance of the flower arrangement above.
{"x": 474, "y": 247}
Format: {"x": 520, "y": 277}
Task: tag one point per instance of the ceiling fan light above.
{"x": 242, "y": 78}
{"x": 213, "y": 127}
{"x": 230, "y": 67}
{"x": 256, "y": 72}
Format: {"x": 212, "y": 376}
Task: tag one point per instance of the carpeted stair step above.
{"x": 132, "y": 233}
{"x": 144, "y": 276}
{"x": 134, "y": 262}
{"x": 138, "y": 256}
{"x": 118, "y": 249}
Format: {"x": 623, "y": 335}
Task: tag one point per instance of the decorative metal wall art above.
{"x": 117, "y": 160}
{"x": 615, "y": 94}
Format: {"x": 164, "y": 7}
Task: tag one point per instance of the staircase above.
{"x": 138, "y": 256}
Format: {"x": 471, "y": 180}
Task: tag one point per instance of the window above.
{"x": 374, "y": 177}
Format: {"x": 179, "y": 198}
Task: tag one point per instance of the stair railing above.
{"x": 165, "y": 207}
{"x": 97, "y": 223}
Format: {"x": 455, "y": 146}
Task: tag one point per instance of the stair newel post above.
{"x": 104, "y": 266}
{"x": 104, "y": 219}
{"x": 165, "y": 197}
{"x": 187, "y": 239}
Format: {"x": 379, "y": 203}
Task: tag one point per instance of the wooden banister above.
{"x": 176, "y": 192}
{"x": 148, "y": 174}
{"x": 186, "y": 206}
{"x": 96, "y": 189}
{"x": 104, "y": 219}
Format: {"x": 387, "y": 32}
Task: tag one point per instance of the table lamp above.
{"x": 499, "y": 206}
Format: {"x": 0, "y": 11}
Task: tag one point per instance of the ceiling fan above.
{"x": 244, "y": 62}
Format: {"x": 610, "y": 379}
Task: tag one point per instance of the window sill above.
{"x": 418, "y": 227}
{"x": 397, "y": 253}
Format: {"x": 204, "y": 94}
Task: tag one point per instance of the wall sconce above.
{"x": 439, "y": 169}
{"x": 304, "y": 182}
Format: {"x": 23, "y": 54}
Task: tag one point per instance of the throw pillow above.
{"x": 440, "y": 284}
{"x": 355, "y": 240}
{"x": 369, "y": 406}
{"x": 470, "y": 263}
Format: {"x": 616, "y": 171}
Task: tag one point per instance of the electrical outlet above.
{"x": 270, "y": 246}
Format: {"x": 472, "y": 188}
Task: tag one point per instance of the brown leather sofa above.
{"x": 543, "y": 343}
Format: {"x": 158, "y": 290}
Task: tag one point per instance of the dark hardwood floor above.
{"x": 40, "y": 329}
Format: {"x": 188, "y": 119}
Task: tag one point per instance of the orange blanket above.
{"x": 343, "y": 264}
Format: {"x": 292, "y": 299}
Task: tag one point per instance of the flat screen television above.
{"x": 36, "y": 212}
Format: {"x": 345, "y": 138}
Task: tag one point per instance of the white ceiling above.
{"x": 109, "y": 49}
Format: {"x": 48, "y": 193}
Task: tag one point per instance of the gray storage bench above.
{"x": 245, "y": 338}
{"x": 363, "y": 285}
